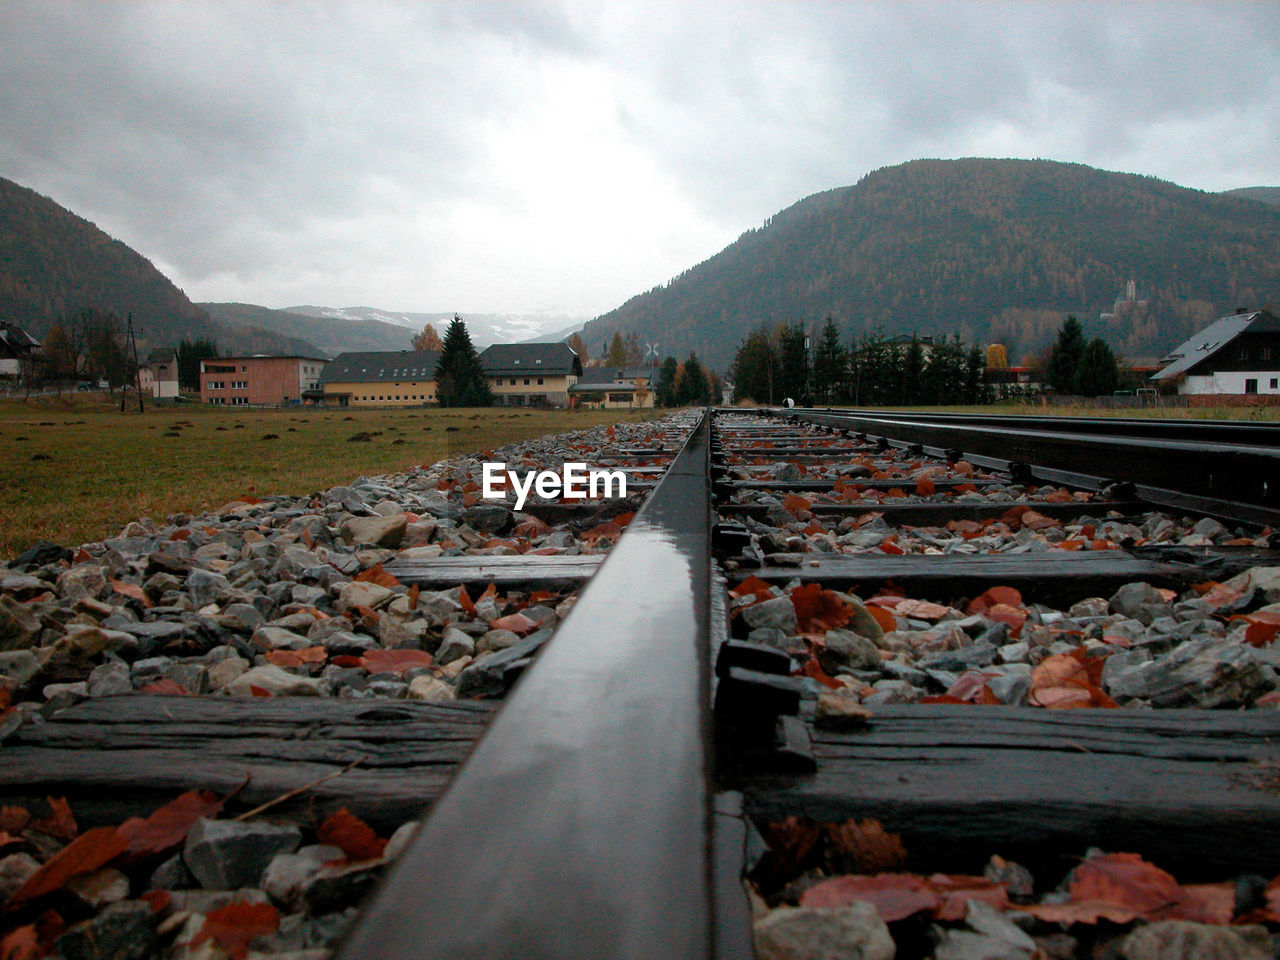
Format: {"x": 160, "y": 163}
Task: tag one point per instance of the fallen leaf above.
{"x": 132, "y": 591}
{"x": 21, "y": 944}
{"x": 921, "y": 610}
{"x": 296, "y": 658}
{"x": 796, "y": 505}
{"x": 813, "y": 669}
{"x": 895, "y": 896}
{"x": 1260, "y": 634}
{"x": 465, "y": 601}
{"x": 883, "y": 617}
{"x": 890, "y": 546}
{"x": 157, "y": 900}
{"x": 88, "y": 852}
{"x": 516, "y": 623}
{"x": 352, "y": 835}
{"x": 1067, "y": 680}
{"x": 14, "y": 819}
{"x": 994, "y": 595}
{"x": 395, "y": 661}
{"x": 60, "y": 822}
{"x": 165, "y": 687}
{"x": 819, "y": 609}
{"x": 167, "y": 827}
{"x": 1127, "y": 881}
{"x": 955, "y": 892}
{"x": 925, "y": 487}
{"x": 865, "y": 847}
{"x": 236, "y": 925}
{"x": 377, "y": 574}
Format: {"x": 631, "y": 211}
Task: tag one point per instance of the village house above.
{"x": 381, "y": 378}
{"x": 1234, "y": 360}
{"x": 159, "y": 374}
{"x": 613, "y": 388}
{"x": 16, "y": 348}
{"x": 531, "y": 374}
{"x": 258, "y": 380}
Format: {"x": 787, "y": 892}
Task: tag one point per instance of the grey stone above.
{"x": 15, "y": 870}
{"x": 485, "y": 677}
{"x": 18, "y": 625}
{"x": 340, "y": 885}
{"x": 851, "y": 932}
{"x": 1183, "y": 940}
{"x": 778, "y": 613}
{"x": 359, "y": 593}
{"x": 429, "y": 689}
{"x": 205, "y": 587}
{"x": 123, "y": 931}
{"x": 455, "y": 645}
{"x": 277, "y": 682}
{"x": 1212, "y": 672}
{"x": 206, "y": 901}
{"x": 965, "y": 945}
{"x": 1141, "y": 601}
{"x": 380, "y": 531}
{"x": 18, "y": 665}
{"x": 1011, "y": 683}
{"x": 893, "y": 691}
{"x": 278, "y": 638}
{"x": 109, "y": 680}
{"x": 492, "y": 518}
{"x": 845, "y": 650}
{"x": 287, "y": 872}
{"x": 172, "y": 875}
{"x": 226, "y": 855}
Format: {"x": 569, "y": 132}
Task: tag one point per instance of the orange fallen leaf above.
{"x": 60, "y": 823}
{"x": 132, "y": 591}
{"x": 166, "y": 827}
{"x": 377, "y": 574}
{"x": 819, "y": 609}
{"x": 352, "y": 835}
{"x": 955, "y": 892}
{"x": 883, "y": 617}
{"x": 296, "y": 658}
{"x": 994, "y": 595}
{"x": 165, "y": 687}
{"x": 813, "y": 669}
{"x": 14, "y": 819}
{"x": 796, "y": 505}
{"x": 753, "y": 586}
{"x": 395, "y": 661}
{"x": 88, "y": 852}
{"x": 925, "y": 487}
{"x": 515, "y": 622}
{"x": 921, "y": 610}
{"x": 865, "y": 846}
{"x": 895, "y": 896}
{"x": 236, "y": 925}
{"x": 21, "y": 943}
{"x": 890, "y": 546}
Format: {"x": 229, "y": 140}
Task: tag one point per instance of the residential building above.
{"x": 1237, "y": 356}
{"x": 382, "y": 378}
{"x": 531, "y": 374}
{"x": 159, "y": 374}
{"x": 16, "y": 347}
{"x": 258, "y": 380}
{"x": 613, "y": 388}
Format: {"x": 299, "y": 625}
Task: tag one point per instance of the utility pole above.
{"x": 131, "y": 345}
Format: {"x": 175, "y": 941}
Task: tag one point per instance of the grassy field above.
{"x": 76, "y": 469}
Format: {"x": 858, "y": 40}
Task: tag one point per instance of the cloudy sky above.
{"x": 507, "y": 157}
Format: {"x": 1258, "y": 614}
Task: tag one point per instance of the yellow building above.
{"x": 390, "y": 378}
{"x": 613, "y": 388}
{"x": 531, "y": 374}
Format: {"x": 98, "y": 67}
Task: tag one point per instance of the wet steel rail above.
{"x": 592, "y": 820}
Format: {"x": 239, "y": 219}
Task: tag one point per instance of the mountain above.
{"x": 332, "y": 335}
{"x": 1261, "y": 194}
{"x": 54, "y": 264}
{"x": 484, "y": 328}
{"x": 993, "y": 250}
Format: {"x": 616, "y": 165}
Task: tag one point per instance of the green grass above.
{"x": 105, "y": 468}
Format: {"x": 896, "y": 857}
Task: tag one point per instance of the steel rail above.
{"x": 1211, "y": 431}
{"x": 1229, "y": 475}
{"x": 582, "y": 824}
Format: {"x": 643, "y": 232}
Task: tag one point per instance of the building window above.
{"x": 1264, "y": 353}
{"x": 1251, "y": 385}
{"x": 619, "y": 398}
{"x": 1275, "y": 383}
{"x": 526, "y": 381}
{"x": 540, "y": 381}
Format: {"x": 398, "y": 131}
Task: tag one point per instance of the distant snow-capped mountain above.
{"x": 485, "y": 328}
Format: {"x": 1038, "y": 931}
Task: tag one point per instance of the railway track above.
{"x": 609, "y": 809}
{"x": 710, "y": 680}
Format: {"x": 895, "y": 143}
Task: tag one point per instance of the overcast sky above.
{"x": 494, "y": 157}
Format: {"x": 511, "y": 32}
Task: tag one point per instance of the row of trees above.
{"x": 773, "y": 365}
{"x": 1080, "y": 368}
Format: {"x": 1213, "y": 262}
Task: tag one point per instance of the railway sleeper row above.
{"x": 621, "y": 793}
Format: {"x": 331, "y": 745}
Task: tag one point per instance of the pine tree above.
{"x": 830, "y": 366}
{"x": 756, "y": 370}
{"x": 190, "y": 353}
{"x": 692, "y": 387}
{"x": 1096, "y": 375}
{"x": 460, "y": 379}
{"x": 912, "y": 383}
{"x": 664, "y": 388}
{"x": 794, "y": 356}
{"x": 1065, "y": 357}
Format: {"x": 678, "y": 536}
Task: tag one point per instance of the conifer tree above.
{"x": 830, "y": 366}
{"x": 664, "y": 388}
{"x": 1065, "y": 357}
{"x": 756, "y": 369}
{"x": 460, "y": 379}
{"x": 692, "y": 386}
{"x": 1096, "y": 375}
